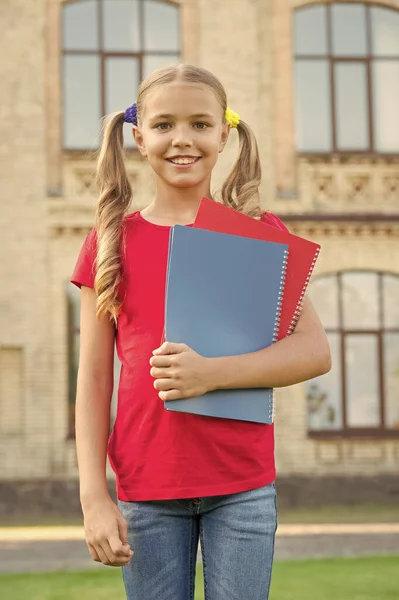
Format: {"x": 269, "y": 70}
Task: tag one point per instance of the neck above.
{"x": 176, "y": 205}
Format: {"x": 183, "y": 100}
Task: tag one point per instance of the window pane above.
{"x": 362, "y": 386}
{"x": 360, "y": 301}
{"x": 351, "y": 106}
{"x": 386, "y": 102}
{"x": 80, "y": 25}
{"x": 73, "y": 296}
{"x": 349, "y": 30}
{"x": 82, "y": 111}
{"x": 161, "y": 26}
{"x": 310, "y": 31}
{"x": 323, "y": 292}
{"x": 324, "y": 393}
{"x": 152, "y": 62}
{"x": 121, "y": 25}
{"x": 391, "y": 379}
{"x": 391, "y": 301}
{"x": 385, "y": 31}
{"x": 122, "y": 80}
{"x": 313, "y": 106}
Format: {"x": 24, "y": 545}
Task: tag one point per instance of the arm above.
{"x": 93, "y": 398}
{"x": 179, "y": 372}
{"x": 105, "y": 528}
{"x": 301, "y": 356}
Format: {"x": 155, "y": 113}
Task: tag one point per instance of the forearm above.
{"x": 292, "y": 360}
{"x": 93, "y": 401}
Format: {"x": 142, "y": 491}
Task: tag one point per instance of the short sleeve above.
{"x": 84, "y": 271}
{"x": 271, "y": 219}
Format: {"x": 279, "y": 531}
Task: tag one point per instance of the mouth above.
{"x": 183, "y": 161}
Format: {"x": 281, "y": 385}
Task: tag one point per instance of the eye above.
{"x": 201, "y": 125}
{"x": 162, "y": 126}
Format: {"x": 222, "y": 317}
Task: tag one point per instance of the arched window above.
{"x": 360, "y": 395}
{"x": 109, "y": 46}
{"x": 347, "y": 78}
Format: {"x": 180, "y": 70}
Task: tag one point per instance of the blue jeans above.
{"x": 236, "y": 533}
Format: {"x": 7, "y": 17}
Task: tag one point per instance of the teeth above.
{"x": 183, "y": 161}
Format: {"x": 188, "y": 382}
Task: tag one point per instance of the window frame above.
{"x": 367, "y": 61}
{"x": 359, "y": 432}
{"x": 104, "y": 55}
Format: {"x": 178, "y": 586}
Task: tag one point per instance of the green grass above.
{"x": 333, "y": 579}
{"x": 366, "y": 513}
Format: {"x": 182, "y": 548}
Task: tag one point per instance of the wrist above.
{"x": 213, "y": 374}
{"x": 89, "y": 497}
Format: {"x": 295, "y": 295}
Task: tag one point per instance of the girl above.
{"x": 180, "y": 477}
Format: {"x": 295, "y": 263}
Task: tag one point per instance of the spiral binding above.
{"x": 277, "y": 324}
{"x": 280, "y": 298}
{"x": 299, "y": 306}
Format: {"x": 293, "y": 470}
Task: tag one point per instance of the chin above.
{"x": 184, "y": 182}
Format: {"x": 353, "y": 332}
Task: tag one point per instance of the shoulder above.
{"x": 131, "y": 217}
{"x": 131, "y": 221}
{"x": 271, "y": 219}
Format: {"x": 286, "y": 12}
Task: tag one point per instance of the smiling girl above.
{"x": 180, "y": 477}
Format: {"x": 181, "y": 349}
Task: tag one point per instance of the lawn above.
{"x": 333, "y": 579}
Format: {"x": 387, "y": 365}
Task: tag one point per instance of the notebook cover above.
{"x": 302, "y": 254}
{"x": 223, "y": 297}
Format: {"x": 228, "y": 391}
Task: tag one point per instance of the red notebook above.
{"x": 302, "y": 254}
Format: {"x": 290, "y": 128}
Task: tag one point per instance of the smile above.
{"x": 184, "y": 160}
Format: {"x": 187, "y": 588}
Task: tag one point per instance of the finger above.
{"x": 162, "y": 361}
{"x": 119, "y": 549}
{"x": 164, "y": 384}
{"x": 93, "y": 553}
{"x": 165, "y": 373}
{"x": 102, "y": 555}
{"x": 170, "y": 395}
{"x": 171, "y": 348}
{"x": 112, "y": 559}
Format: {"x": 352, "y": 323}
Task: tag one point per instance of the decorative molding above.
{"x": 79, "y": 179}
{"x": 318, "y": 226}
{"x": 390, "y": 188}
{"x": 368, "y": 184}
{"x": 67, "y": 230}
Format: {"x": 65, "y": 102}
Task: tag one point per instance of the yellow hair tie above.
{"x": 232, "y": 118}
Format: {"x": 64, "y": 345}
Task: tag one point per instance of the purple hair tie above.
{"x": 131, "y": 114}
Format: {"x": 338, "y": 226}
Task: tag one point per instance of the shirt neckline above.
{"x": 156, "y": 225}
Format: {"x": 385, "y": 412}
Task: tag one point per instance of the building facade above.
{"x": 319, "y": 84}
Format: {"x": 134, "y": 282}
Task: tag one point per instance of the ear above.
{"x": 138, "y": 138}
{"x": 224, "y": 137}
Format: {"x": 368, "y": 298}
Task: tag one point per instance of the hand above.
{"x": 106, "y": 532}
{"x": 180, "y": 372}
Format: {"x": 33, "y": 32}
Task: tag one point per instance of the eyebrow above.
{"x": 170, "y": 116}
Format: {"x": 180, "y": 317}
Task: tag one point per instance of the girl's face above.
{"x": 181, "y": 133}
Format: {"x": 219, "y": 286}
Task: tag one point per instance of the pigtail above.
{"x": 241, "y": 188}
{"x": 115, "y": 194}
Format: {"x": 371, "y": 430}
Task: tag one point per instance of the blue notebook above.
{"x": 223, "y": 298}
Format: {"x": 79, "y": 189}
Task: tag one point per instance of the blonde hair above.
{"x": 239, "y": 191}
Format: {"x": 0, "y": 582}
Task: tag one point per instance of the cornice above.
{"x": 343, "y": 225}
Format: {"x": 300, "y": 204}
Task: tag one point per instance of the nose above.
{"x": 182, "y": 137}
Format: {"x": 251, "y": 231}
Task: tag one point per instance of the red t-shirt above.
{"x": 157, "y": 454}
